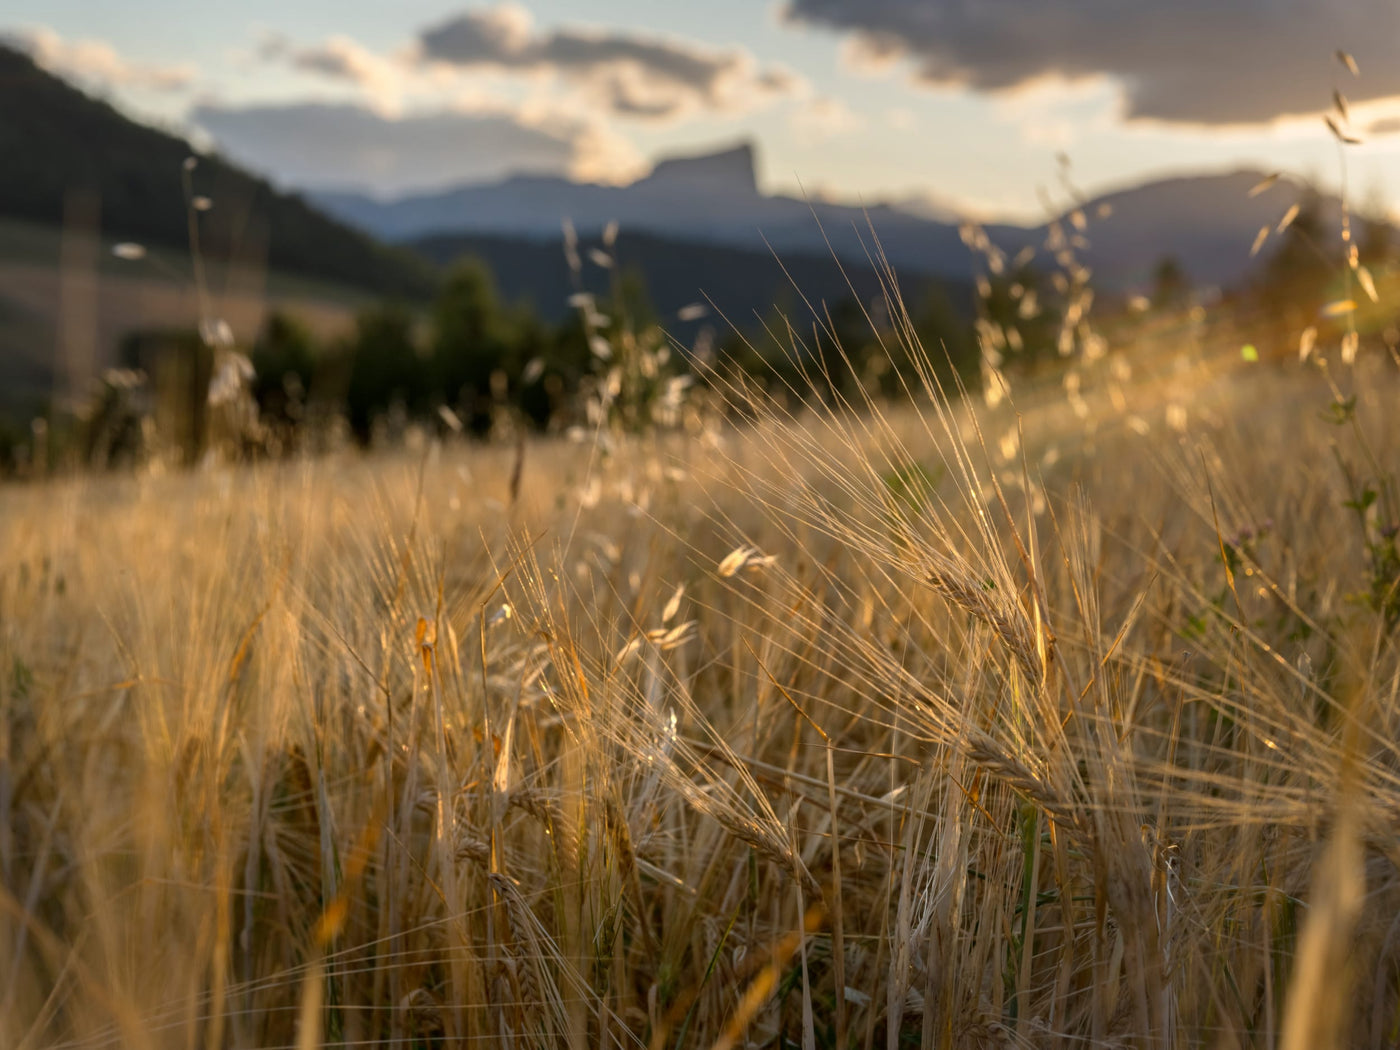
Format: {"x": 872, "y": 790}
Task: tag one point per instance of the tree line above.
{"x": 472, "y": 363}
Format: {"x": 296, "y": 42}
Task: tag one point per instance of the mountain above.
{"x": 1208, "y": 222}
{"x": 61, "y": 147}
{"x": 709, "y": 198}
{"x": 738, "y": 283}
{"x": 732, "y": 168}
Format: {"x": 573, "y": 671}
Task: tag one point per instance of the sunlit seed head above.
{"x": 449, "y": 417}
{"x": 1351, "y": 344}
{"x": 673, "y": 606}
{"x": 1368, "y": 284}
{"x": 1009, "y": 444}
{"x": 216, "y": 332}
{"x": 1307, "y": 342}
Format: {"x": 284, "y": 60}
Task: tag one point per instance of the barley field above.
{"x": 1066, "y": 721}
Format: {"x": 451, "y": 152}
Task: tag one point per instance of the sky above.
{"x": 960, "y": 106}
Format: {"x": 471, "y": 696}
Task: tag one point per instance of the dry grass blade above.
{"x": 1344, "y": 137}
{"x": 1317, "y": 1014}
{"x": 1368, "y": 283}
{"x": 1264, "y": 184}
{"x": 762, "y": 987}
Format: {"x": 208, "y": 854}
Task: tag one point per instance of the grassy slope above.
{"x": 286, "y": 718}
{"x": 156, "y": 293}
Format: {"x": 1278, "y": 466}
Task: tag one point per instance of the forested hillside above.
{"x": 58, "y": 144}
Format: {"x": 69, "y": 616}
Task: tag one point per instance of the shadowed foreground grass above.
{"x": 854, "y": 729}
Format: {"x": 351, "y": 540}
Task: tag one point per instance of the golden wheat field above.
{"x": 1060, "y": 722}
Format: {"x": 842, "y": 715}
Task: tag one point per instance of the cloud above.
{"x": 96, "y": 63}
{"x": 348, "y": 146}
{"x": 823, "y": 118}
{"x": 901, "y": 118}
{"x": 631, "y": 75}
{"x": 339, "y": 58}
{"x": 1186, "y": 61}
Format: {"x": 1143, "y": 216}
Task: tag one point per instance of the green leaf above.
{"x": 1362, "y": 502}
{"x": 1340, "y": 411}
{"x": 913, "y": 485}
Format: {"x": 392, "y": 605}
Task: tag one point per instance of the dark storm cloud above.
{"x": 347, "y": 146}
{"x": 634, "y": 75}
{"x": 1189, "y": 61}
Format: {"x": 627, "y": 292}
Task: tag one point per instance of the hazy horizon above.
{"x": 967, "y": 109}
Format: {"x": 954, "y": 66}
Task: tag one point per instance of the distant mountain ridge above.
{"x": 1207, "y": 222}
{"x": 56, "y": 142}
{"x": 735, "y": 168}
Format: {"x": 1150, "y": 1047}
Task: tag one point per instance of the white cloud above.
{"x": 823, "y": 118}
{"x": 95, "y": 63}
{"x": 340, "y": 58}
{"x": 629, "y": 75}
{"x": 871, "y": 54}
{"x": 488, "y": 93}
{"x": 1055, "y": 112}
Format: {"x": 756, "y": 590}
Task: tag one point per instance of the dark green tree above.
{"x": 541, "y": 396}
{"x": 385, "y": 367}
{"x": 1295, "y": 279}
{"x": 284, "y": 363}
{"x": 1304, "y": 272}
{"x": 946, "y": 338}
{"x": 1171, "y": 286}
{"x": 1022, "y": 306}
{"x": 1377, "y": 242}
{"x": 471, "y": 344}
{"x": 179, "y": 366}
